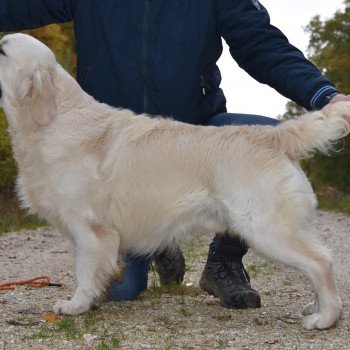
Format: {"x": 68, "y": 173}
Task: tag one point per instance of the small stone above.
{"x": 258, "y": 321}
{"x": 88, "y": 339}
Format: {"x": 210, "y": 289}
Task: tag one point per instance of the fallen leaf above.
{"x": 51, "y": 318}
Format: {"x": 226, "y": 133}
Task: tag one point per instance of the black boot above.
{"x": 225, "y": 278}
{"x": 170, "y": 265}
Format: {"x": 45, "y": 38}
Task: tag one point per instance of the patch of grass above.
{"x": 116, "y": 341}
{"x": 162, "y": 319}
{"x": 112, "y": 343}
{"x": 268, "y": 293}
{"x": 287, "y": 282}
{"x": 253, "y": 270}
{"x": 223, "y": 343}
{"x": 103, "y": 346}
{"x": 168, "y": 347}
{"x": 155, "y": 292}
{"x": 13, "y": 218}
{"x": 185, "y": 312}
{"x": 69, "y": 326}
{"x": 74, "y": 327}
{"x": 90, "y": 321}
{"x": 44, "y": 332}
{"x": 195, "y": 249}
{"x": 17, "y": 220}
{"x": 333, "y": 204}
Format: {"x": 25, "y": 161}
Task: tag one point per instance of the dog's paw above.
{"x": 65, "y": 307}
{"x": 318, "y": 321}
{"x": 310, "y": 309}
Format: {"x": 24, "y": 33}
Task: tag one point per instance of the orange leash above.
{"x": 36, "y": 282}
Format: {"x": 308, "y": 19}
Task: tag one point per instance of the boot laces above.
{"x": 226, "y": 267}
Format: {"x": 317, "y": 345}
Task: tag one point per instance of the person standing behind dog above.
{"x": 159, "y": 57}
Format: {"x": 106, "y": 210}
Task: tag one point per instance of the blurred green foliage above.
{"x": 60, "y": 38}
{"x": 329, "y": 48}
{"x": 8, "y": 169}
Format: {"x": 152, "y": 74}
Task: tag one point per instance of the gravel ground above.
{"x": 166, "y": 318}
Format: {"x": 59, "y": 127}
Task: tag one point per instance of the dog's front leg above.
{"x": 96, "y": 253}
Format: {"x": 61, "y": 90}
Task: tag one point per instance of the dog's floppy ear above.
{"x": 43, "y": 106}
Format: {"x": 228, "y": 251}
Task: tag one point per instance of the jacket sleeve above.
{"x": 27, "y": 14}
{"x": 264, "y": 52}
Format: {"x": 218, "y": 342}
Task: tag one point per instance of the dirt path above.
{"x": 178, "y": 318}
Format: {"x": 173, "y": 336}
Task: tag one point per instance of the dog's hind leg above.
{"x": 299, "y": 248}
{"x": 96, "y": 253}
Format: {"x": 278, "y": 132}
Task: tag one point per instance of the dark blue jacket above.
{"x": 159, "y": 56}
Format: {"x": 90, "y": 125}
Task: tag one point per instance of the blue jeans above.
{"x": 136, "y": 272}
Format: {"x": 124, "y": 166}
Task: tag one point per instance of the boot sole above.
{"x": 253, "y": 302}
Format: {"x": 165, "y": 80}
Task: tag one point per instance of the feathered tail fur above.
{"x": 314, "y": 131}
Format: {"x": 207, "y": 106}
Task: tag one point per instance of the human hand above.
{"x": 338, "y": 98}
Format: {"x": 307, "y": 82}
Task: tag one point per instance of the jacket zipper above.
{"x": 203, "y": 85}
{"x": 145, "y": 55}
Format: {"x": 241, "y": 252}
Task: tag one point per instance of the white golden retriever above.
{"x": 112, "y": 181}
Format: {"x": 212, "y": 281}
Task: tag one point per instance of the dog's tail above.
{"x": 314, "y": 131}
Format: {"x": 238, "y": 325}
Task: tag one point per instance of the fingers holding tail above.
{"x": 314, "y": 131}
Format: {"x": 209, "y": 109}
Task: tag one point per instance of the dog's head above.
{"x": 26, "y": 78}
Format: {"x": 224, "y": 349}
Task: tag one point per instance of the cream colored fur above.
{"x": 112, "y": 181}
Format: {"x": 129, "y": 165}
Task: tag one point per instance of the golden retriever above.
{"x": 112, "y": 181}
